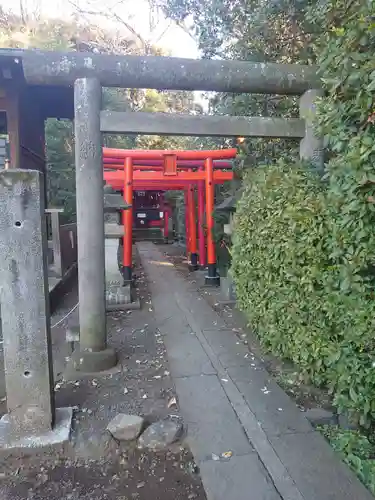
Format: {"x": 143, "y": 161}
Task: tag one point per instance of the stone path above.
{"x": 248, "y": 437}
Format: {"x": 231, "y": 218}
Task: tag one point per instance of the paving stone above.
{"x": 213, "y": 426}
{"x": 159, "y": 435}
{"x": 240, "y": 478}
{"x": 316, "y": 469}
{"x": 273, "y": 408}
{"x": 229, "y": 349}
{"x": 174, "y": 325}
{"x": 164, "y": 307}
{"x": 186, "y": 356}
{"x": 202, "y": 315}
{"x": 125, "y": 427}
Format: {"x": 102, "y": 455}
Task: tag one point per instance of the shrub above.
{"x": 356, "y": 450}
{"x": 303, "y": 303}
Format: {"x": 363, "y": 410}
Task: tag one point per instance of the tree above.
{"x": 32, "y": 32}
{"x": 249, "y": 30}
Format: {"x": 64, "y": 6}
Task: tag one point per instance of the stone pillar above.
{"x": 25, "y": 303}
{"x": 311, "y": 146}
{"x": 3, "y": 153}
{"x": 93, "y": 354}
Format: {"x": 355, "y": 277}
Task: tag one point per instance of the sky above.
{"x": 137, "y": 12}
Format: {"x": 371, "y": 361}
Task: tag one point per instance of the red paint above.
{"x": 118, "y": 163}
{"x": 128, "y": 214}
{"x": 192, "y": 223}
{"x": 159, "y": 170}
{"x": 210, "y": 195}
{"x": 186, "y": 197}
{"x": 201, "y": 238}
{"x": 139, "y": 154}
{"x": 142, "y": 177}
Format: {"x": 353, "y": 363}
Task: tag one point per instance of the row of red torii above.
{"x": 142, "y": 170}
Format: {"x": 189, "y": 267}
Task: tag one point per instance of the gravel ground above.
{"x": 95, "y": 466}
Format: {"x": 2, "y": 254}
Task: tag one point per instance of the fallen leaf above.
{"x": 172, "y": 401}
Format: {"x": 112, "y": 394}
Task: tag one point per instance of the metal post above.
{"x": 128, "y": 221}
{"x": 25, "y": 301}
{"x": 201, "y": 238}
{"x": 193, "y": 266}
{"x": 93, "y": 354}
{"x": 311, "y": 146}
{"x": 212, "y": 278}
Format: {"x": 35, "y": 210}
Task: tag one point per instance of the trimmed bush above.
{"x": 300, "y": 299}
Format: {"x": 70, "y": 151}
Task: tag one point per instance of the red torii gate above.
{"x": 129, "y": 170}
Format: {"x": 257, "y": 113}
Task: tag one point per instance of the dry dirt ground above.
{"x": 94, "y": 466}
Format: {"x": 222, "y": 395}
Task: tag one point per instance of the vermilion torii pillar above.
{"x": 212, "y": 278}
{"x": 187, "y": 234}
{"x": 128, "y": 221}
{"x": 201, "y": 238}
{"x": 192, "y": 225}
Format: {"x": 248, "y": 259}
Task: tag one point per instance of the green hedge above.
{"x": 304, "y": 301}
{"x": 304, "y": 248}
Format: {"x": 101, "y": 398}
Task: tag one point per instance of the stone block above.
{"x": 239, "y": 478}
{"x": 275, "y": 411}
{"x": 125, "y": 427}
{"x": 159, "y": 435}
{"x": 212, "y": 425}
{"x": 186, "y": 356}
{"x": 227, "y": 288}
{"x": 316, "y": 469}
{"x": 49, "y": 438}
{"x": 227, "y": 347}
{"x": 320, "y": 416}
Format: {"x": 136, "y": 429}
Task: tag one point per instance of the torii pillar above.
{"x": 93, "y": 354}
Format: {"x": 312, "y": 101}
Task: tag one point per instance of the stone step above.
{"x": 113, "y": 230}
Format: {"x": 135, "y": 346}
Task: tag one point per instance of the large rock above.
{"x": 125, "y": 427}
{"x": 160, "y": 435}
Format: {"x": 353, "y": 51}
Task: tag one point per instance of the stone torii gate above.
{"x": 88, "y": 73}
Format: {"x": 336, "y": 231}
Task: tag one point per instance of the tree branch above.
{"x": 112, "y": 16}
